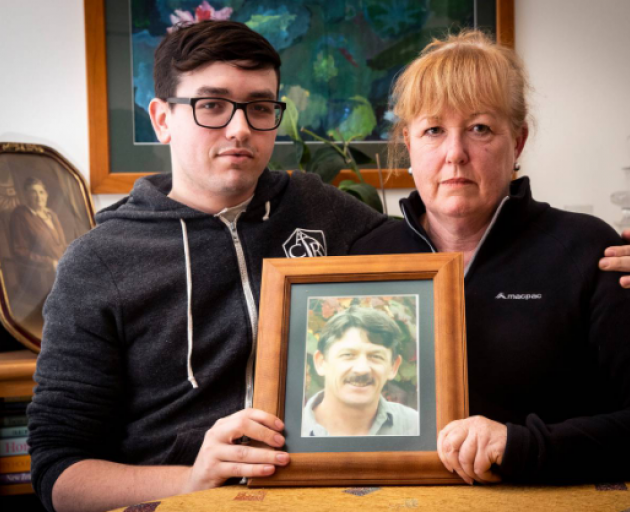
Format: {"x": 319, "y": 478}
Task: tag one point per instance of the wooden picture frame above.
{"x": 280, "y": 277}
{"x": 103, "y": 180}
{"x": 35, "y": 179}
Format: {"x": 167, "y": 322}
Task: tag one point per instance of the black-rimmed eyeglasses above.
{"x": 261, "y": 115}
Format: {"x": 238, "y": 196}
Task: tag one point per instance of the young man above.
{"x": 146, "y": 370}
{"x": 358, "y": 353}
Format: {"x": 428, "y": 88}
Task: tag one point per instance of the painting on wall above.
{"x": 338, "y": 57}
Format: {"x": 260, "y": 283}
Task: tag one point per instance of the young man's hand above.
{"x": 222, "y": 455}
{"x": 618, "y": 259}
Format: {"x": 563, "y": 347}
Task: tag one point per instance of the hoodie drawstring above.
{"x": 267, "y": 211}
{"x": 191, "y": 377}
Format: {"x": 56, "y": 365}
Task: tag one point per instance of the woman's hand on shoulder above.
{"x": 470, "y": 447}
{"x": 617, "y": 259}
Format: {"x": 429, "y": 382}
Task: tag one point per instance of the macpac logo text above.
{"x": 519, "y": 296}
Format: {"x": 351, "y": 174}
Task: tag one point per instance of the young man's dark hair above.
{"x": 189, "y": 47}
{"x": 380, "y": 328}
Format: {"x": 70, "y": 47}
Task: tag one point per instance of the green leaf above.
{"x": 303, "y": 154}
{"x": 311, "y": 343}
{"x": 327, "y": 162}
{"x": 289, "y": 125}
{"x": 363, "y": 192}
{"x": 407, "y": 371}
{"x": 360, "y": 123}
{"x": 274, "y": 165}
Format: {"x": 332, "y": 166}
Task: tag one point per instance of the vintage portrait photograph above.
{"x": 361, "y": 366}
{"x": 43, "y": 207}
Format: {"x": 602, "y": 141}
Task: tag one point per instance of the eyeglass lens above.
{"x": 215, "y": 112}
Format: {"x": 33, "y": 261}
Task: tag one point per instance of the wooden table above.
{"x": 613, "y": 498}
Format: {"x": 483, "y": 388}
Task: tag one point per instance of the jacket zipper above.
{"x": 426, "y": 240}
{"x": 251, "y": 308}
{"x": 485, "y": 235}
{"x": 483, "y": 238}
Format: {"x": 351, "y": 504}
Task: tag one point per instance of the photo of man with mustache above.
{"x": 357, "y": 354}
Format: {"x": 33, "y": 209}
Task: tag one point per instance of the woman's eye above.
{"x": 433, "y": 131}
{"x": 481, "y": 129}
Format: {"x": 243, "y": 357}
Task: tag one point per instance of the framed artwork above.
{"x": 44, "y": 205}
{"x": 353, "y": 48}
{"x": 364, "y": 359}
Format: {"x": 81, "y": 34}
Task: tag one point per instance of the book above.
{"x": 14, "y": 431}
{"x": 15, "y": 478}
{"x": 13, "y": 420}
{"x": 16, "y": 464}
{"x": 13, "y": 446}
{"x": 13, "y": 406}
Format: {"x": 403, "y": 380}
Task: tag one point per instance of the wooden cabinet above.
{"x": 16, "y": 379}
{"x": 16, "y": 373}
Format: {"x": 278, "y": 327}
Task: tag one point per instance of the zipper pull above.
{"x": 233, "y": 231}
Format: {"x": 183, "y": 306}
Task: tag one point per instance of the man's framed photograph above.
{"x": 364, "y": 359}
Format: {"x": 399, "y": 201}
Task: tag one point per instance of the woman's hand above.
{"x": 471, "y": 446}
{"x": 617, "y": 259}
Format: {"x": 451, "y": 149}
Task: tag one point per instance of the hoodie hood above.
{"x": 149, "y": 200}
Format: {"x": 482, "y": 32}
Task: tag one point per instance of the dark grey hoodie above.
{"x": 133, "y": 371}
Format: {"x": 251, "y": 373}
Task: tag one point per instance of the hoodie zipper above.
{"x": 251, "y": 308}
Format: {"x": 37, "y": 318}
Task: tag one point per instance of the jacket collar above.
{"x": 520, "y": 207}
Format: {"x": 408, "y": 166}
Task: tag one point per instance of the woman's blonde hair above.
{"x": 465, "y": 73}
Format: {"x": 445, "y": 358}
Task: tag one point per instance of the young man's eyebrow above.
{"x": 212, "y": 91}
{"x": 264, "y": 94}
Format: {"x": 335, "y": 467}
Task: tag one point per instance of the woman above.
{"x": 37, "y": 241}
{"x": 548, "y": 334}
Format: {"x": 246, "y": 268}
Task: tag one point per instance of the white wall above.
{"x": 43, "y": 89}
{"x": 578, "y": 56}
{"x": 577, "y": 53}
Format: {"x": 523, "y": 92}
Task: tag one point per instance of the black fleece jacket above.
{"x": 548, "y": 337}
{"x": 112, "y": 380}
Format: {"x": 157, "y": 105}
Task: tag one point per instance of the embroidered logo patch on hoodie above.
{"x": 305, "y": 243}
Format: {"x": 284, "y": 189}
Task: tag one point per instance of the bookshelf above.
{"x": 16, "y": 379}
